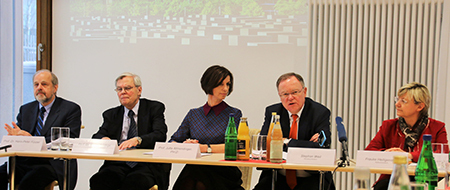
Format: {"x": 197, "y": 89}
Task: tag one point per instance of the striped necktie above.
{"x": 132, "y": 132}
{"x": 40, "y": 122}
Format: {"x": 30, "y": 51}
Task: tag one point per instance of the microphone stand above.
{"x": 343, "y": 161}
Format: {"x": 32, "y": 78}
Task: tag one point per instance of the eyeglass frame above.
{"x": 295, "y": 93}
{"x": 126, "y": 89}
{"x": 403, "y": 101}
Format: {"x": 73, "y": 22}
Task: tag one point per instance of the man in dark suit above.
{"x": 136, "y": 123}
{"x": 302, "y": 120}
{"x": 36, "y": 173}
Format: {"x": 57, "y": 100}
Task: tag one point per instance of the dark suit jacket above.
{"x": 152, "y": 128}
{"x": 314, "y": 118}
{"x": 62, "y": 114}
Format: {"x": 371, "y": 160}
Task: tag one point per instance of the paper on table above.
{"x": 203, "y": 154}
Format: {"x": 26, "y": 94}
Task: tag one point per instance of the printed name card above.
{"x": 316, "y": 156}
{"x": 94, "y": 146}
{"x": 24, "y": 143}
{"x": 176, "y": 150}
{"x": 377, "y": 159}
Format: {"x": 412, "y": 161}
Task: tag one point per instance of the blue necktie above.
{"x": 132, "y": 132}
{"x": 40, "y": 123}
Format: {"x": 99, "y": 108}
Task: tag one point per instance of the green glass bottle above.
{"x": 426, "y": 170}
{"x": 231, "y": 139}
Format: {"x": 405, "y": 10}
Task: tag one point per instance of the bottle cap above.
{"x": 427, "y": 137}
{"x": 361, "y": 173}
{"x": 243, "y": 119}
{"x": 231, "y": 114}
{"x": 399, "y": 159}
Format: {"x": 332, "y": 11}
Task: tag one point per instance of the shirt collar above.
{"x": 217, "y": 108}
{"x": 135, "y": 109}
{"x": 298, "y": 114}
{"x": 47, "y": 107}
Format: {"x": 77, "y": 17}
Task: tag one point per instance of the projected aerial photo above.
{"x": 191, "y": 22}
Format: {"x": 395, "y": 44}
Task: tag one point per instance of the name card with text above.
{"x": 377, "y": 159}
{"x": 317, "y": 156}
{"x": 94, "y": 146}
{"x": 24, "y": 143}
{"x": 176, "y": 150}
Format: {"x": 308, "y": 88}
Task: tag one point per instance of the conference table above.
{"x": 142, "y": 155}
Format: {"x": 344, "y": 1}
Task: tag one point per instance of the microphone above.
{"x": 343, "y": 139}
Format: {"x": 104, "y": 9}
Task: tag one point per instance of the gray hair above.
{"x": 136, "y": 78}
{"x": 54, "y": 78}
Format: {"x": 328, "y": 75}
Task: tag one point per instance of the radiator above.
{"x": 360, "y": 53}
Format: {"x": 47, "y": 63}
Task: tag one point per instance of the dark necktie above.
{"x": 40, "y": 122}
{"x": 132, "y": 132}
{"x": 291, "y": 175}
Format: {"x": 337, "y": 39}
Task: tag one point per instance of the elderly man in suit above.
{"x": 136, "y": 123}
{"x": 36, "y": 119}
{"x": 302, "y": 121}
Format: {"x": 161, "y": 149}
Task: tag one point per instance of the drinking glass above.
{"x": 65, "y": 134}
{"x": 440, "y": 154}
{"x": 55, "y": 138}
{"x": 419, "y": 186}
{"x": 258, "y": 144}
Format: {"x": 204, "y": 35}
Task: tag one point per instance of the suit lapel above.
{"x": 303, "y": 122}
{"x": 142, "y": 118}
{"x": 29, "y": 122}
{"x": 285, "y": 122}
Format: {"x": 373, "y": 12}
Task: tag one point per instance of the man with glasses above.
{"x": 302, "y": 121}
{"x": 36, "y": 119}
{"x": 136, "y": 123}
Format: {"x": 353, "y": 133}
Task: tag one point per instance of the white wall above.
{"x": 170, "y": 73}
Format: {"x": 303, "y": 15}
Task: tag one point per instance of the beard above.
{"x": 42, "y": 98}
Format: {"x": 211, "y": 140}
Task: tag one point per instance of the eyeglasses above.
{"x": 403, "y": 101}
{"x": 295, "y": 93}
{"x": 126, "y": 89}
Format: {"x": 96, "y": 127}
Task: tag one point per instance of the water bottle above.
{"x": 231, "y": 139}
{"x": 399, "y": 177}
{"x": 426, "y": 170}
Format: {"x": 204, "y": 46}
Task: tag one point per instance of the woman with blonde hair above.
{"x": 404, "y": 134}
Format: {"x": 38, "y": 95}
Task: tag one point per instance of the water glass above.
{"x": 65, "y": 135}
{"x": 258, "y": 144}
{"x": 55, "y": 138}
{"x": 419, "y": 186}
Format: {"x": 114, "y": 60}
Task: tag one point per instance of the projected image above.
{"x": 191, "y": 22}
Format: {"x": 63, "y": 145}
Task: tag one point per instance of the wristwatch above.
{"x": 209, "y": 150}
{"x": 139, "y": 139}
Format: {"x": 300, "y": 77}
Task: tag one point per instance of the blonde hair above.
{"x": 419, "y": 93}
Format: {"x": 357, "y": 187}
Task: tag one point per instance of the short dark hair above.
{"x": 213, "y": 77}
{"x": 289, "y": 75}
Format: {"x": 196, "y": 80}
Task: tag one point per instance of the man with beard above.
{"x": 36, "y": 119}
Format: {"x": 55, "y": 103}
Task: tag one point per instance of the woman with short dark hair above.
{"x": 206, "y": 126}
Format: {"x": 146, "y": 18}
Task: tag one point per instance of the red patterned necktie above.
{"x": 291, "y": 175}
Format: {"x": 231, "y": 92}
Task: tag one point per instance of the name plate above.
{"x": 94, "y": 146}
{"x": 24, "y": 143}
{"x": 377, "y": 159}
{"x": 316, "y": 156}
{"x": 176, "y": 150}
